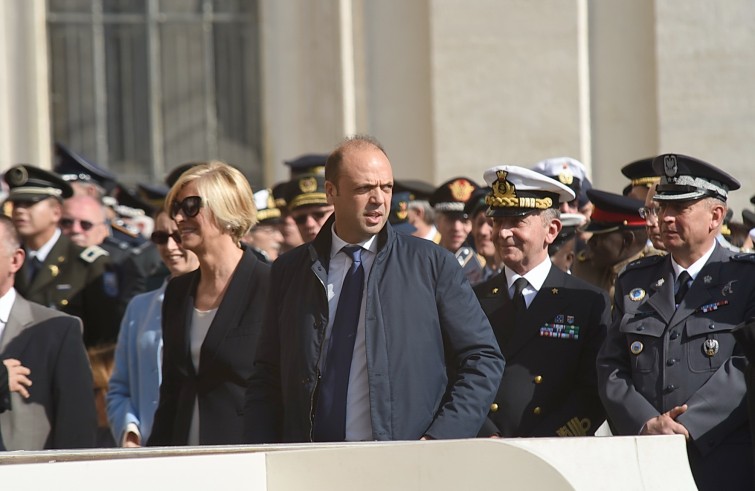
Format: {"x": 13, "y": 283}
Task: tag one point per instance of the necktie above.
{"x": 330, "y": 412}
{"x": 506, "y": 331}
{"x": 519, "y": 304}
{"x": 34, "y": 266}
{"x": 681, "y": 286}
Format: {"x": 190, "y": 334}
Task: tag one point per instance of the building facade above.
{"x": 451, "y": 87}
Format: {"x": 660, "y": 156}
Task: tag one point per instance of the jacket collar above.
{"x": 319, "y": 248}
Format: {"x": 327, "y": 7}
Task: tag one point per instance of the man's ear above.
{"x": 330, "y": 191}
{"x": 627, "y": 239}
{"x": 57, "y": 209}
{"x": 569, "y": 260}
{"x": 554, "y": 228}
{"x": 17, "y": 260}
{"x": 718, "y": 213}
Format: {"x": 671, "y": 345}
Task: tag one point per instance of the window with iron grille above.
{"x": 141, "y": 86}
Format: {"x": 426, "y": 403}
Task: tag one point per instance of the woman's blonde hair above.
{"x": 225, "y": 191}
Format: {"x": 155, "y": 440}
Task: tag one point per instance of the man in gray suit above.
{"x": 47, "y": 398}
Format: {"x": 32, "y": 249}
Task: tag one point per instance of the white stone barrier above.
{"x": 553, "y": 464}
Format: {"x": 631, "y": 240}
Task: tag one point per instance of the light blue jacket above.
{"x": 135, "y": 384}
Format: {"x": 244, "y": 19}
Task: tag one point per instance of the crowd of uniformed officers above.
{"x": 346, "y": 305}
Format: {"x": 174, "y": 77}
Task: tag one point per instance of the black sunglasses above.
{"x": 86, "y": 225}
{"x": 190, "y": 207}
{"x": 317, "y": 215}
{"x": 161, "y": 238}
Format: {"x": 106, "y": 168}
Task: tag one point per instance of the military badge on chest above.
{"x": 710, "y": 347}
{"x": 636, "y": 295}
{"x": 562, "y": 327}
{"x": 636, "y": 347}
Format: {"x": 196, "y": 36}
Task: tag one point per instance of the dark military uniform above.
{"x": 71, "y": 280}
{"x": 549, "y": 384}
{"x": 659, "y": 355}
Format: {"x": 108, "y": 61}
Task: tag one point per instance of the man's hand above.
{"x": 18, "y": 379}
{"x": 665, "y": 424}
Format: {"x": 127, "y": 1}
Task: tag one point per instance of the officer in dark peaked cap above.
{"x": 420, "y": 214}
{"x": 618, "y": 238}
{"x": 549, "y": 324}
{"x": 420, "y": 190}
{"x": 399, "y": 214}
{"x": 265, "y": 237}
{"x": 307, "y": 204}
{"x": 641, "y": 177}
{"x": 57, "y": 273}
{"x": 306, "y": 165}
{"x": 454, "y": 225}
{"x": 310, "y": 163}
{"x": 670, "y": 363}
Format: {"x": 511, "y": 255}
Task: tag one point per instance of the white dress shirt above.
{"x": 42, "y": 252}
{"x": 358, "y": 421}
{"x": 535, "y": 279}
{"x": 695, "y": 267}
{"x": 6, "y": 303}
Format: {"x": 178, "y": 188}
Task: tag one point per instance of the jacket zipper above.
{"x": 318, "y": 375}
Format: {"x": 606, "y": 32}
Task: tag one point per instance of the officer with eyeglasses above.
{"x": 58, "y": 273}
{"x": 649, "y": 213}
{"x": 670, "y": 363}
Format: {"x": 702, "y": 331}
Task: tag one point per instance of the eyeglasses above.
{"x": 160, "y": 237}
{"x": 86, "y": 225}
{"x": 190, "y": 207}
{"x": 316, "y": 215}
{"x": 648, "y": 213}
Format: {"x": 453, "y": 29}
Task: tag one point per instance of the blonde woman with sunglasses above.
{"x": 211, "y": 316}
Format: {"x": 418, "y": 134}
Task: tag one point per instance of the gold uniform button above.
{"x": 537, "y": 411}
{"x": 494, "y": 291}
{"x": 538, "y": 379}
{"x": 64, "y": 302}
{"x": 493, "y": 407}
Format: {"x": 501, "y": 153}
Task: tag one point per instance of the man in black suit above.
{"x": 549, "y": 325}
{"x": 370, "y": 334}
{"x": 670, "y": 363}
{"x": 47, "y": 400}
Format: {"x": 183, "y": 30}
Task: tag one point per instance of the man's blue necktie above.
{"x": 330, "y": 413}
